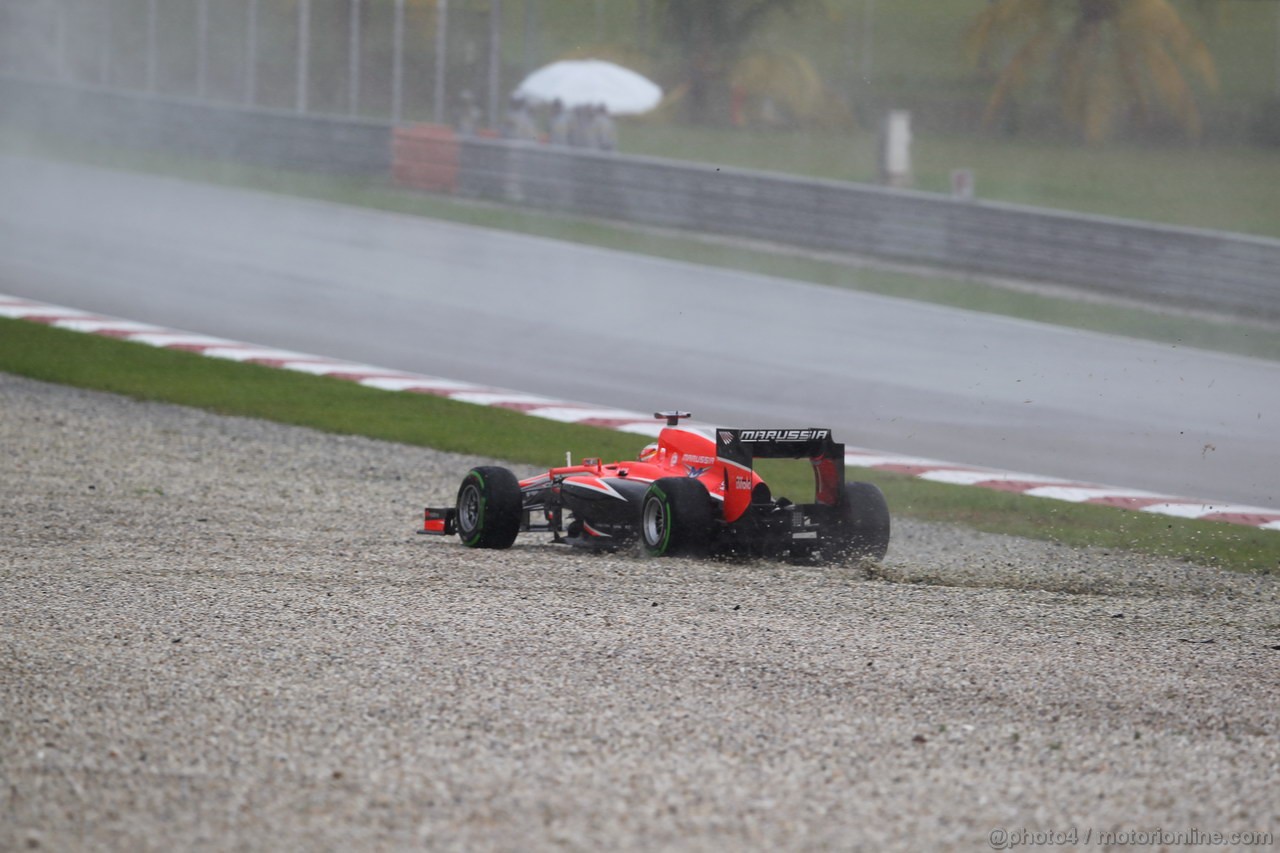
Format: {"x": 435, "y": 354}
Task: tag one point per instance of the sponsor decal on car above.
{"x": 781, "y": 435}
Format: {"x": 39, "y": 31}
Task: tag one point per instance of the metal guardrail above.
{"x": 1172, "y": 267}
{"x": 329, "y": 144}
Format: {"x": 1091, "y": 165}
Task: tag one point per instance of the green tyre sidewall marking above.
{"x": 666, "y": 523}
{"x": 480, "y": 499}
{"x": 489, "y": 505}
{"x": 660, "y": 549}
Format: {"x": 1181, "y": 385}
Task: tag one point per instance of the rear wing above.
{"x": 739, "y": 448}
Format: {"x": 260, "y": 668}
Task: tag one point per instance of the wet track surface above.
{"x": 639, "y": 333}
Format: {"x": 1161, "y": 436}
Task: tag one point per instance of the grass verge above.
{"x": 147, "y": 373}
{"x": 1225, "y": 188}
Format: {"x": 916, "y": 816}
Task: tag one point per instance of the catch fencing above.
{"x": 1161, "y": 266}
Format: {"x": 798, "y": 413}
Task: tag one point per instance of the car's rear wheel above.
{"x": 861, "y": 528}
{"x": 676, "y": 518}
{"x": 489, "y": 508}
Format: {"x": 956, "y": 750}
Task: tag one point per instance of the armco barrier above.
{"x": 327, "y": 144}
{"x": 1162, "y": 266}
{"x": 1165, "y": 266}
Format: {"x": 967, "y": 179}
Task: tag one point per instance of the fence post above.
{"x": 530, "y": 28}
{"x": 60, "y": 41}
{"x": 251, "y": 55}
{"x": 304, "y": 53}
{"x": 153, "y": 46}
{"x": 495, "y": 60}
{"x": 104, "y": 71}
{"x": 868, "y": 39}
{"x": 397, "y": 64}
{"x": 442, "y": 29}
{"x": 353, "y": 58}
{"x": 202, "y": 48}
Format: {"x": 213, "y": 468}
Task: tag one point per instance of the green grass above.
{"x": 1080, "y": 525}
{"x": 147, "y": 373}
{"x": 1225, "y": 188}
{"x": 230, "y": 388}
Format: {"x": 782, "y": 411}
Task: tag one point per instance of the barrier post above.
{"x": 153, "y": 46}
{"x": 442, "y": 29}
{"x": 251, "y": 55}
{"x": 353, "y": 57}
{"x": 304, "y": 52}
{"x": 397, "y": 64}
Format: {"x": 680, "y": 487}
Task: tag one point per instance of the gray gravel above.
{"x": 222, "y": 633}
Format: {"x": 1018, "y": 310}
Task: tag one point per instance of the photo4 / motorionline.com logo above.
{"x": 1003, "y": 838}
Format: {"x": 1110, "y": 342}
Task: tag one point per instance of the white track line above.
{"x": 1035, "y": 485}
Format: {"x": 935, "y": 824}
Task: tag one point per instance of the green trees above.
{"x": 1106, "y": 60}
{"x": 710, "y": 36}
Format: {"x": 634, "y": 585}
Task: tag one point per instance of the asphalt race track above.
{"x": 639, "y": 333}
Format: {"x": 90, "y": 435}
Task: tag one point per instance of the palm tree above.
{"x": 1107, "y": 59}
{"x": 710, "y": 35}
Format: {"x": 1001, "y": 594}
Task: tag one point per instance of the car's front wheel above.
{"x": 489, "y": 508}
{"x": 676, "y": 518}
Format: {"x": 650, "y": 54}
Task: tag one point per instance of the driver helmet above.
{"x": 650, "y": 452}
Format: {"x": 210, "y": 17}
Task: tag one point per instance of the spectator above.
{"x": 519, "y": 123}
{"x": 604, "y": 133}
{"x": 468, "y": 114}
{"x": 580, "y": 127}
{"x": 560, "y": 123}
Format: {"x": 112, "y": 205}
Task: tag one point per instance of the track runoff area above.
{"x": 1052, "y": 488}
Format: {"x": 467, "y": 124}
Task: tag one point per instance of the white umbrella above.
{"x": 586, "y": 82}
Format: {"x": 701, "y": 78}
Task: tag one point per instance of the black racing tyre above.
{"x": 489, "y": 508}
{"x": 861, "y": 528}
{"x": 676, "y": 518}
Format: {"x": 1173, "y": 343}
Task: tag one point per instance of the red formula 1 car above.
{"x": 689, "y": 493}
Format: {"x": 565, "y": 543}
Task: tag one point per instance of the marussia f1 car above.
{"x": 689, "y": 494}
